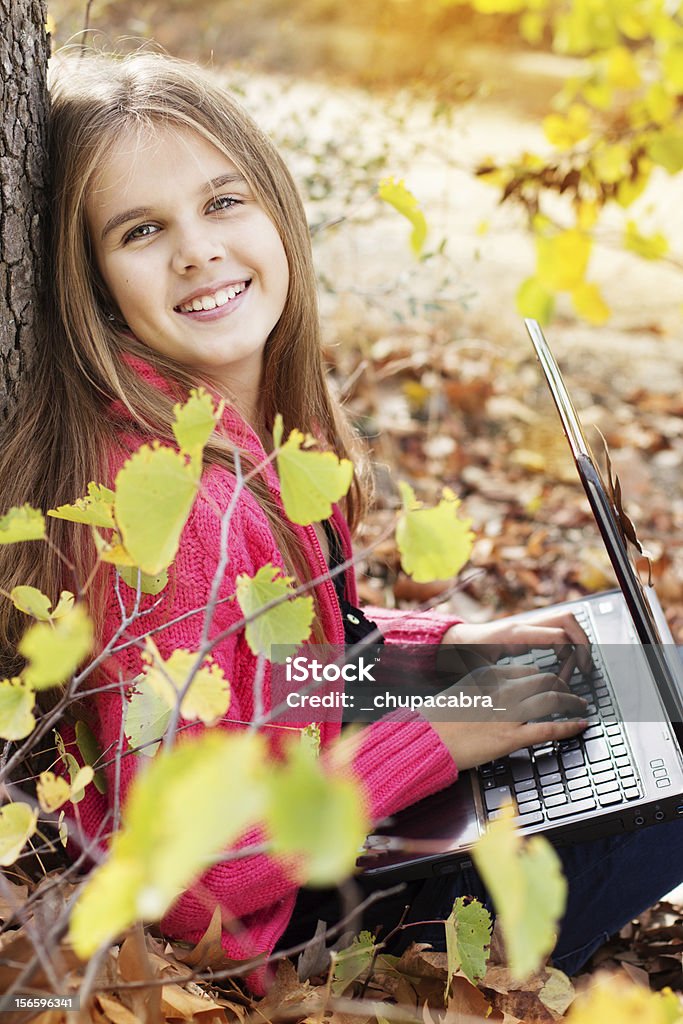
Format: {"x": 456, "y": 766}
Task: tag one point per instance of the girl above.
{"x": 181, "y": 256}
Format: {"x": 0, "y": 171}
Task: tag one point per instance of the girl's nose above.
{"x": 196, "y": 248}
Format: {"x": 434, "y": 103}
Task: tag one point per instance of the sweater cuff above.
{"x": 411, "y": 627}
{"x": 401, "y": 760}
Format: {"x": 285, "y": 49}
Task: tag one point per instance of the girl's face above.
{"x": 195, "y": 266}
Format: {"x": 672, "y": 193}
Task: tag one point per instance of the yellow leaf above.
{"x": 589, "y": 303}
{"x": 660, "y": 104}
{"x": 434, "y": 543}
{"x": 35, "y": 603}
{"x": 672, "y": 66}
{"x": 17, "y": 825}
{"x": 286, "y": 626}
{"x": 79, "y": 781}
{"x": 148, "y": 584}
{"x": 613, "y": 998}
{"x": 621, "y": 68}
{"x": 316, "y": 817}
{"x": 629, "y": 189}
{"x": 55, "y": 650}
{"x": 112, "y": 551}
{"x": 531, "y": 25}
{"x": 562, "y": 259}
{"x": 195, "y": 422}
{"x": 528, "y": 889}
{"x": 311, "y": 481}
{"x": 535, "y": 301}
{"x": 666, "y": 150}
{"x": 52, "y": 791}
{"x": 565, "y": 132}
{"x": 586, "y": 214}
{"x": 611, "y": 163}
{"x": 16, "y": 709}
{"x": 208, "y": 697}
{"x": 95, "y": 509}
{"x": 19, "y": 524}
{"x": 146, "y": 717}
{"x": 397, "y": 195}
{"x": 215, "y": 786}
{"x": 155, "y": 491}
{"x": 650, "y": 247}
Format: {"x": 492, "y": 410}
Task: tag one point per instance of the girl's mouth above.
{"x": 213, "y": 300}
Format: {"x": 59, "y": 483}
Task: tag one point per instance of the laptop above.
{"x": 624, "y": 772}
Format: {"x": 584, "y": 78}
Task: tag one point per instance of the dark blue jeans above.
{"x": 610, "y": 882}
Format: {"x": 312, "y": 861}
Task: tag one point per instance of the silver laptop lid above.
{"x": 606, "y": 516}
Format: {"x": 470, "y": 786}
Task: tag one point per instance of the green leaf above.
{"x": 95, "y": 509}
{"x": 155, "y": 491}
{"x": 317, "y": 818}
{"x": 534, "y": 300}
{"x": 468, "y": 934}
{"x": 146, "y": 718}
{"x": 666, "y": 149}
{"x": 195, "y": 422}
{"x": 353, "y": 961}
{"x": 214, "y": 787}
{"x": 91, "y": 752}
{"x": 528, "y": 890}
{"x": 208, "y": 697}
{"x": 35, "y": 603}
{"x": 17, "y": 825}
{"x": 589, "y": 303}
{"x": 54, "y": 650}
{"x": 434, "y": 543}
{"x": 397, "y": 195}
{"x": 287, "y": 625}
{"x": 148, "y": 584}
{"x": 311, "y": 482}
{"x": 19, "y": 524}
{"x": 16, "y": 709}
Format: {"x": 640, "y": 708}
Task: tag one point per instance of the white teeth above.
{"x": 212, "y": 301}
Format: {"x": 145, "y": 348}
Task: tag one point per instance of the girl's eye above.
{"x": 141, "y": 231}
{"x": 223, "y": 203}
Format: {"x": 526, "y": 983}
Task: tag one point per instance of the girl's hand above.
{"x": 519, "y": 695}
{"x": 490, "y": 641}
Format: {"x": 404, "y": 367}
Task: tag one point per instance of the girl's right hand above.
{"x": 522, "y": 695}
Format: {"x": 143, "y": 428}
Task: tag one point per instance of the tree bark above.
{"x": 24, "y": 51}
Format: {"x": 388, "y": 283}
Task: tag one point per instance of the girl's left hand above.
{"x": 491, "y": 641}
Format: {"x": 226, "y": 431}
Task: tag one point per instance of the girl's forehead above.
{"x": 144, "y": 157}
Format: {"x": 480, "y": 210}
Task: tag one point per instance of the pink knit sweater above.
{"x": 397, "y": 763}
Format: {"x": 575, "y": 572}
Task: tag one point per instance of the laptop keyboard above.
{"x": 554, "y": 781}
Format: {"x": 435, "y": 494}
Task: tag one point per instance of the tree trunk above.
{"x": 24, "y": 50}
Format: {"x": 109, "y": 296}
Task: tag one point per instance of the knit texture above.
{"x": 397, "y": 761}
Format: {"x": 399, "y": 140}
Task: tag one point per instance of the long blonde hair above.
{"x": 62, "y": 433}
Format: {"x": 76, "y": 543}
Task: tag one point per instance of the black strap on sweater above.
{"x": 357, "y": 626}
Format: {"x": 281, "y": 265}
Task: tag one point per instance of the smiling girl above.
{"x": 181, "y": 256}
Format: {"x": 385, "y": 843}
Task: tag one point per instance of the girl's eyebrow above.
{"x": 233, "y": 178}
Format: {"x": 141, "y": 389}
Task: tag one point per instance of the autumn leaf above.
{"x": 208, "y": 696}
{"x": 528, "y": 889}
{"x": 534, "y": 300}
{"x": 286, "y": 626}
{"x": 35, "y": 603}
{"x": 16, "y": 709}
{"x": 311, "y": 482}
{"x": 468, "y": 934}
{"x": 20, "y": 524}
{"x": 17, "y": 825}
{"x": 95, "y": 509}
{"x": 54, "y": 650}
{"x": 434, "y": 543}
{"x": 155, "y": 491}
{"x": 397, "y": 195}
{"x": 195, "y": 422}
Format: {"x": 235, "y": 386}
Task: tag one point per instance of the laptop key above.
{"x": 581, "y": 794}
{"x": 546, "y": 764}
{"x": 609, "y": 798}
{"x": 611, "y": 786}
{"x": 552, "y": 790}
{"x": 555, "y": 800}
{"x": 631, "y": 792}
{"x": 530, "y": 819}
{"x": 523, "y": 785}
{"x": 530, "y": 807}
{"x": 564, "y": 810}
{"x": 572, "y": 759}
{"x": 495, "y": 798}
{"x": 577, "y": 773}
{"x": 592, "y": 732}
{"x": 619, "y": 751}
{"x": 626, "y": 772}
{"x": 605, "y": 774}
{"x": 622, "y": 760}
{"x": 528, "y": 794}
{"x": 550, "y": 780}
{"x": 597, "y": 750}
{"x": 578, "y": 783}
